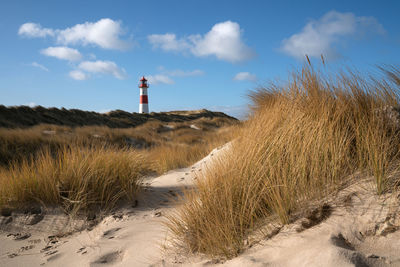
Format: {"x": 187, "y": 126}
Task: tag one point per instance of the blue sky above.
{"x": 197, "y": 54}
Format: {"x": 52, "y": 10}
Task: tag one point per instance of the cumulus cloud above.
{"x": 62, "y": 52}
{"x": 319, "y": 36}
{"x": 40, "y": 66}
{"x": 245, "y": 76}
{"x": 104, "y": 67}
{"x": 34, "y": 30}
{"x": 159, "y": 79}
{"x": 168, "y": 42}
{"x": 224, "y": 41}
{"x": 78, "y": 75}
{"x": 105, "y": 33}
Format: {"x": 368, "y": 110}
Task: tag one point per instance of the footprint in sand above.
{"x": 12, "y": 255}
{"x": 20, "y": 236}
{"x": 25, "y": 248}
{"x": 20, "y": 250}
{"x": 109, "y": 233}
{"x": 109, "y": 258}
{"x": 48, "y": 253}
{"x": 46, "y": 248}
{"x": 51, "y": 246}
{"x": 52, "y": 239}
{"x": 82, "y": 250}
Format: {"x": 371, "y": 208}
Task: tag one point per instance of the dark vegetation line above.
{"x": 24, "y": 116}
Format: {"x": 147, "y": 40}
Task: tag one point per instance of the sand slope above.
{"x": 360, "y": 232}
{"x": 360, "y": 229}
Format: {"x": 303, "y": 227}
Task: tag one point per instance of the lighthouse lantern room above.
{"x": 144, "y": 100}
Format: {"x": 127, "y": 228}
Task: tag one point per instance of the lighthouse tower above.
{"x": 144, "y": 101}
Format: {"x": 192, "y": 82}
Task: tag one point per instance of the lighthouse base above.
{"x": 144, "y": 108}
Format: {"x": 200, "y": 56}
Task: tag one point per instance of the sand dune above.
{"x": 360, "y": 229}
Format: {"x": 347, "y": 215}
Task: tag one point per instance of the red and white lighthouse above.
{"x": 144, "y": 100}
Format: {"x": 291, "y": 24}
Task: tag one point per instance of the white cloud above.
{"x": 159, "y": 79}
{"x": 319, "y": 36}
{"x": 78, "y": 75}
{"x": 105, "y": 67}
{"x": 40, "y": 66}
{"x": 104, "y": 33}
{"x": 245, "y": 76}
{"x": 224, "y": 41}
{"x": 168, "y": 42}
{"x": 34, "y": 30}
{"x": 165, "y": 76}
{"x": 182, "y": 73}
{"x": 62, "y": 52}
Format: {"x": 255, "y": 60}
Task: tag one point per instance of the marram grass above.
{"x": 305, "y": 139}
{"x": 77, "y": 178}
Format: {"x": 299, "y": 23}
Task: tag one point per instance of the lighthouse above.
{"x": 144, "y": 100}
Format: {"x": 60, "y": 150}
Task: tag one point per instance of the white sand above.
{"x": 355, "y": 234}
{"x": 361, "y": 232}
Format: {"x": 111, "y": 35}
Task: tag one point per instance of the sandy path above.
{"x": 131, "y": 237}
{"x": 364, "y": 230}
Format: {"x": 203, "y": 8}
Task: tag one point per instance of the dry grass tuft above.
{"x": 76, "y": 178}
{"x": 185, "y": 149}
{"x": 304, "y": 140}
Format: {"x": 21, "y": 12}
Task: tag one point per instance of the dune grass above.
{"x": 18, "y": 144}
{"x": 306, "y": 138}
{"x": 25, "y": 117}
{"x": 76, "y": 178}
{"x": 97, "y": 166}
